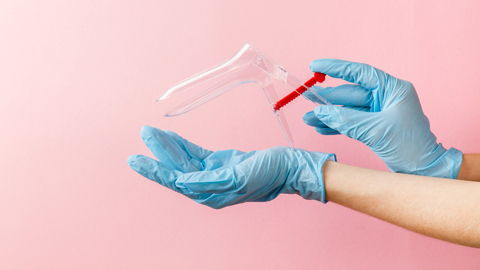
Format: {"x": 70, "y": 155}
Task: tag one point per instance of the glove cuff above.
{"x": 310, "y": 184}
{"x": 331, "y": 157}
{"x": 445, "y": 166}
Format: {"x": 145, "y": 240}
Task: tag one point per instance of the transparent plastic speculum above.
{"x": 248, "y": 65}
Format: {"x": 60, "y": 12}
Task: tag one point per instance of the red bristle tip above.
{"x": 318, "y": 77}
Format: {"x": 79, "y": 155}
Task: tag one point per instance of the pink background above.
{"x": 78, "y": 80}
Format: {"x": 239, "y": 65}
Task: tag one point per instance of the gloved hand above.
{"x": 384, "y": 113}
{"x": 228, "y": 177}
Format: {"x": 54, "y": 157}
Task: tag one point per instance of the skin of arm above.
{"x": 441, "y": 208}
{"x": 470, "y": 168}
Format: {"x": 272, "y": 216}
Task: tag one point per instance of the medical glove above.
{"x": 384, "y": 113}
{"x": 222, "y": 178}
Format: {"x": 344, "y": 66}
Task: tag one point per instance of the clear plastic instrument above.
{"x": 248, "y": 65}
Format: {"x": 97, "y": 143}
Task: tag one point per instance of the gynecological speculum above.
{"x": 248, "y": 65}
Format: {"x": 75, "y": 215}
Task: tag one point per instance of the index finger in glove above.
{"x": 193, "y": 150}
{"x": 358, "y": 73}
{"x": 167, "y": 150}
{"x": 346, "y": 94}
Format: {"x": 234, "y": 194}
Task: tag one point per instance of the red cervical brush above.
{"x": 318, "y": 77}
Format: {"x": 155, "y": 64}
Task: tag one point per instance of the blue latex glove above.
{"x": 384, "y": 113}
{"x": 222, "y": 178}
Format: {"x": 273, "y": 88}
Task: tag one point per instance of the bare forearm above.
{"x": 470, "y": 168}
{"x": 441, "y": 208}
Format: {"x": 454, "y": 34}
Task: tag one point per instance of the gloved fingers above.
{"x": 358, "y": 108}
{"x": 167, "y": 150}
{"x": 157, "y": 172}
{"x": 326, "y": 131}
{"x": 312, "y": 120}
{"x": 365, "y": 75}
{"x": 193, "y": 150}
{"x": 154, "y": 170}
{"x": 346, "y": 94}
{"x": 218, "y": 181}
{"x": 350, "y": 121}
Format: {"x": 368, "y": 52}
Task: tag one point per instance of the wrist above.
{"x": 470, "y": 168}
